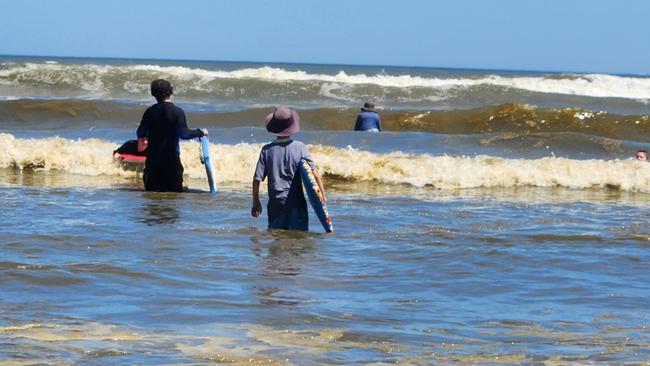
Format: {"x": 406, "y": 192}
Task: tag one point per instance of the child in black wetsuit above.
{"x": 163, "y": 124}
{"x": 131, "y": 148}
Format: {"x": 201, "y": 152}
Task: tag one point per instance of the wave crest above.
{"x": 510, "y": 118}
{"x": 245, "y": 82}
{"x": 235, "y": 164}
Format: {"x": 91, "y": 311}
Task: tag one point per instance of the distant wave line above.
{"x": 134, "y": 78}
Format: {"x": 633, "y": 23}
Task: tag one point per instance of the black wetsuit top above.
{"x": 163, "y": 124}
{"x": 131, "y": 148}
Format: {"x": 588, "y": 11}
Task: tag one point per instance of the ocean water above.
{"x": 499, "y": 219}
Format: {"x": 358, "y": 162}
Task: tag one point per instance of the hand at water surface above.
{"x": 256, "y": 210}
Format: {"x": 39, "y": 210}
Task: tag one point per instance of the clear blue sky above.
{"x": 563, "y": 35}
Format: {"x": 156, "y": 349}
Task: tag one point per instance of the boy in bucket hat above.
{"x": 279, "y": 161}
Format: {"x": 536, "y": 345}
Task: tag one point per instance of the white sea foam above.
{"x": 327, "y": 90}
{"x": 236, "y": 163}
{"x": 134, "y": 78}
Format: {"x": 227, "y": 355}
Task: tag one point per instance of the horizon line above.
{"x": 557, "y": 71}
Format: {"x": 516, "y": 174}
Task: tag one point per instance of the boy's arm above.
{"x": 320, "y": 183}
{"x": 260, "y": 174}
{"x": 142, "y": 129}
{"x": 142, "y": 132}
{"x": 183, "y": 131}
{"x": 256, "y": 210}
{"x": 314, "y": 169}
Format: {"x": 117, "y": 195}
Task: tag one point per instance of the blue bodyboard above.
{"x": 205, "y": 159}
{"x": 315, "y": 195}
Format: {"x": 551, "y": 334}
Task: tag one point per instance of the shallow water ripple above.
{"x": 538, "y": 276}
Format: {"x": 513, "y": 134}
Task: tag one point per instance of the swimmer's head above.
{"x": 368, "y": 106}
{"x": 161, "y": 89}
{"x": 642, "y": 155}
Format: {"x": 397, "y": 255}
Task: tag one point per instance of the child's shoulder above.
{"x": 283, "y": 143}
{"x": 267, "y": 148}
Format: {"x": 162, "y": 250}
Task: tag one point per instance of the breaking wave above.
{"x": 235, "y": 164}
{"x": 510, "y": 118}
{"x": 267, "y": 82}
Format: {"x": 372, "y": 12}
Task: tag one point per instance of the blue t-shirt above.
{"x": 279, "y": 161}
{"x": 368, "y": 120}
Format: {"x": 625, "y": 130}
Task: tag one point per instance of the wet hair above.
{"x": 369, "y": 105}
{"x": 643, "y": 151}
{"x": 161, "y": 89}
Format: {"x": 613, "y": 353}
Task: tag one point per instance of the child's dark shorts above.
{"x": 295, "y": 219}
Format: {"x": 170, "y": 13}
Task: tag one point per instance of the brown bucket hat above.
{"x": 283, "y": 122}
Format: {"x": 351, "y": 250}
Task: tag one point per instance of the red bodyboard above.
{"x": 128, "y": 158}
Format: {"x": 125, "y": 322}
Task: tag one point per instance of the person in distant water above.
{"x": 280, "y": 162}
{"x": 642, "y": 155}
{"x": 161, "y": 127}
{"x": 368, "y": 119}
